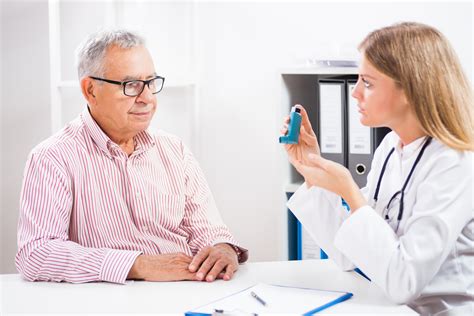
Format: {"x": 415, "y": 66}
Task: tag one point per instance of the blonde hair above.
{"x": 422, "y": 62}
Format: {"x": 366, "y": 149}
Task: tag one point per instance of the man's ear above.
{"x": 87, "y": 87}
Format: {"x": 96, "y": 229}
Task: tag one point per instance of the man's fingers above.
{"x": 188, "y": 276}
{"x": 205, "y": 267}
{"x": 229, "y": 271}
{"x": 216, "y": 269}
{"x": 199, "y": 258}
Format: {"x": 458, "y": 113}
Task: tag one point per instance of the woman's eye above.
{"x": 366, "y": 83}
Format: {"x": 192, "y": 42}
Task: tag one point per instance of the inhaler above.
{"x": 293, "y": 128}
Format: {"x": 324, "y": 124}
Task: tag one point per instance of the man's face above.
{"x": 120, "y": 115}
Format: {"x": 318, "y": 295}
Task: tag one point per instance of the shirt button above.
{"x": 145, "y": 228}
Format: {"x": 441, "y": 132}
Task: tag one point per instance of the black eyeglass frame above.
{"x": 124, "y": 83}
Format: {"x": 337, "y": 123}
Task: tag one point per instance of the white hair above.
{"x": 90, "y": 54}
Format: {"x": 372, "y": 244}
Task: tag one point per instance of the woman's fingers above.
{"x": 304, "y": 118}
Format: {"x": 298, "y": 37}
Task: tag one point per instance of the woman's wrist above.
{"x": 354, "y": 198}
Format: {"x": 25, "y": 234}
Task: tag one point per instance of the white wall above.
{"x": 25, "y": 116}
{"x": 226, "y": 92}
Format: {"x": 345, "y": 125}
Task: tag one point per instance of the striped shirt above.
{"x": 87, "y": 210}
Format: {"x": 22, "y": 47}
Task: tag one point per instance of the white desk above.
{"x": 19, "y": 296}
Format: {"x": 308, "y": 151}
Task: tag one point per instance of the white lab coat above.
{"x": 429, "y": 262}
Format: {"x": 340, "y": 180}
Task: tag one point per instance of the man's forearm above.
{"x": 59, "y": 260}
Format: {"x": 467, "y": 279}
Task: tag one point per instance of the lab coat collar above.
{"x": 409, "y": 150}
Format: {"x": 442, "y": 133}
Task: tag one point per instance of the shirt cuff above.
{"x": 117, "y": 265}
{"x": 242, "y": 253}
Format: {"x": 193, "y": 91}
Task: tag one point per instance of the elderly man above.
{"x": 107, "y": 200}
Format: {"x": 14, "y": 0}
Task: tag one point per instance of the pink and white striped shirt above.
{"x": 87, "y": 210}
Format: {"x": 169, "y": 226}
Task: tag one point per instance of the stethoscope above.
{"x": 401, "y": 192}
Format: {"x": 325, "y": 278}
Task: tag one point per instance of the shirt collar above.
{"x": 143, "y": 140}
{"x": 407, "y": 151}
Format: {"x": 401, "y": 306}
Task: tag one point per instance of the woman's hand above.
{"x": 331, "y": 176}
{"x": 307, "y": 141}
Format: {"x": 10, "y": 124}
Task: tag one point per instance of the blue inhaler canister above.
{"x": 293, "y": 128}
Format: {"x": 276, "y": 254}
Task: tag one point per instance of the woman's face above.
{"x": 381, "y": 102}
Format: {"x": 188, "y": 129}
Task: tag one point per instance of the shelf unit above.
{"x": 301, "y": 87}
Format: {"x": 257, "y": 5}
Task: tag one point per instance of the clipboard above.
{"x": 277, "y": 298}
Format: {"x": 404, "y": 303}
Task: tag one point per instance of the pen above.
{"x": 258, "y": 298}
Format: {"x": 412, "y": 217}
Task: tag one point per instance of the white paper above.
{"x": 331, "y": 118}
{"x": 279, "y": 299}
{"x": 359, "y": 135}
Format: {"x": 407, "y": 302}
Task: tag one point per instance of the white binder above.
{"x": 331, "y": 120}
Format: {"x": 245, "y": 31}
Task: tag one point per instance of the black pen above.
{"x": 258, "y": 298}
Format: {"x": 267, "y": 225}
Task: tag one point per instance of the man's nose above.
{"x": 146, "y": 96}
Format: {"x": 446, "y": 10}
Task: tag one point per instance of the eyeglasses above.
{"x": 132, "y": 88}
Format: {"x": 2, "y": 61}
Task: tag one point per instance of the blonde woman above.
{"x": 411, "y": 229}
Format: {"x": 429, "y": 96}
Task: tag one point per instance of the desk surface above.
{"x": 19, "y": 296}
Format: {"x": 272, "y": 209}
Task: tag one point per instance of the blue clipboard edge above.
{"x": 345, "y": 296}
{"x": 340, "y": 299}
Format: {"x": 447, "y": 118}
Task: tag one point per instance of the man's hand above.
{"x": 168, "y": 267}
{"x": 219, "y": 261}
